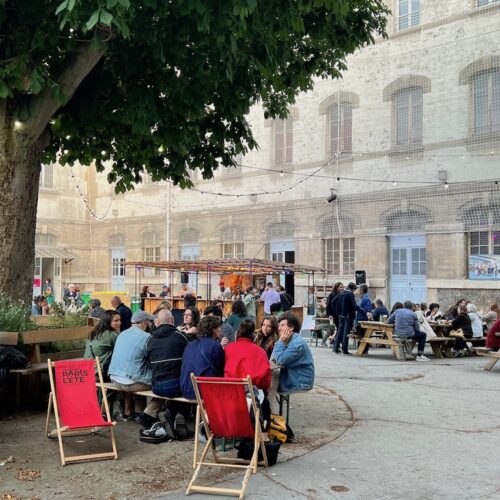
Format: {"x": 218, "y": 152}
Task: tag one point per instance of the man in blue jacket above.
{"x": 294, "y": 355}
{"x": 406, "y": 324}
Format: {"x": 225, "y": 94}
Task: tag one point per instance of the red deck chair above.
{"x": 73, "y": 398}
{"x": 223, "y": 410}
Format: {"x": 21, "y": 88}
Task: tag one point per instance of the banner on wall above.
{"x": 484, "y": 267}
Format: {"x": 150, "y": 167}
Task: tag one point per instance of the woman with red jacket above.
{"x": 493, "y": 338}
{"x": 243, "y": 358}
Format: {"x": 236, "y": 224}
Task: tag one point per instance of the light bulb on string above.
{"x": 446, "y": 185}
{"x": 394, "y": 183}
{"x": 282, "y": 173}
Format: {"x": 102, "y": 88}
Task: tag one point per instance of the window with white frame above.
{"x": 407, "y": 109}
{"x": 339, "y": 255}
{"x": 283, "y": 141}
{"x": 486, "y": 101}
{"x": 340, "y": 128}
{"x": 409, "y": 13}
{"x": 482, "y": 3}
{"x": 484, "y": 243}
{"x": 232, "y": 250}
{"x": 151, "y": 251}
{"x": 231, "y": 238}
{"x": 47, "y": 176}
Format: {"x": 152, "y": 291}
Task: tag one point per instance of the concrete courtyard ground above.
{"x": 373, "y": 428}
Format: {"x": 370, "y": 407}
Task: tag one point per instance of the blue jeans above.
{"x": 342, "y": 337}
{"x": 168, "y": 388}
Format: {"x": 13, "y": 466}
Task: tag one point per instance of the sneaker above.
{"x": 346, "y": 353}
{"x": 422, "y": 358}
{"x": 131, "y": 417}
{"x": 145, "y": 420}
{"x": 156, "y": 430}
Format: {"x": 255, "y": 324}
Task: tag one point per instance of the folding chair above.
{"x": 73, "y": 398}
{"x": 223, "y": 411}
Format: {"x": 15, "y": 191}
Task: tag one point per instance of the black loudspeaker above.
{"x": 184, "y": 278}
{"x": 360, "y": 277}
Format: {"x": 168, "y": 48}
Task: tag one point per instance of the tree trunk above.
{"x": 19, "y": 177}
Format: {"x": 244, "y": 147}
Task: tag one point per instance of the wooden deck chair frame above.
{"x": 249, "y": 466}
{"x": 61, "y": 432}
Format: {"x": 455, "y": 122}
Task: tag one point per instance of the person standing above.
{"x": 347, "y": 312}
{"x": 250, "y": 303}
{"x": 145, "y": 294}
{"x": 365, "y": 304}
{"x": 270, "y": 296}
{"x": 332, "y": 303}
{"x": 165, "y": 292}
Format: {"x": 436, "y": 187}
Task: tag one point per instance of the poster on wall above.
{"x": 484, "y": 267}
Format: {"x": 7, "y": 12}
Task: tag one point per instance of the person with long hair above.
{"x": 243, "y": 358}
{"x": 462, "y": 322}
{"x": 145, "y": 294}
{"x": 191, "y": 321}
{"x": 204, "y": 356}
{"x": 101, "y": 340}
{"x": 395, "y": 307}
{"x": 238, "y": 314}
{"x": 267, "y": 334}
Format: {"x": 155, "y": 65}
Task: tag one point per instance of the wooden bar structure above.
{"x": 248, "y": 267}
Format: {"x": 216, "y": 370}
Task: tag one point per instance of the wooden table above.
{"x": 381, "y": 334}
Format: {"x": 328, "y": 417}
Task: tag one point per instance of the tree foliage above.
{"x": 175, "y": 79}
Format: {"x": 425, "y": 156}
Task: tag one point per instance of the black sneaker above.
{"x": 145, "y": 420}
{"x": 346, "y": 353}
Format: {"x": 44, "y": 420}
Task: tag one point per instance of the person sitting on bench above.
{"x": 406, "y": 325}
{"x": 129, "y": 369}
{"x": 493, "y": 338}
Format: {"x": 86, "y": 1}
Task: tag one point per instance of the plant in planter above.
{"x": 14, "y": 316}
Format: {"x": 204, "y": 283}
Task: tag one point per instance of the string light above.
{"x": 86, "y": 203}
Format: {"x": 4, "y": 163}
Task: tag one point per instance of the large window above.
{"x": 47, "y": 177}
{"x": 409, "y": 13}
{"x": 486, "y": 101}
{"x": 484, "y": 243}
{"x": 339, "y": 255}
{"x": 232, "y": 250}
{"x": 151, "y": 251}
{"x": 340, "y": 128}
{"x": 283, "y": 141}
{"x": 407, "y": 106}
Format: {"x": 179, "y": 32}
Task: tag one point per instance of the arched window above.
{"x": 231, "y": 239}
{"x": 483, "y": 76}
{"x": 406, "y": 95}
{"x": 406, "y": 221}
{"x": 280, "y": 231}
{"x": 338, "y": 110}
{"x": 151, "y": 250}
{"x": 117, "y": 240}
{"x": 338, "y": 243}
{"x": 189, "y": 239}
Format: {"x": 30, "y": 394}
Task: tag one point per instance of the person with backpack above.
{"x": 285, "y": 298}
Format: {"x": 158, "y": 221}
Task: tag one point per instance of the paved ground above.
{"x": 420, "y": 431}
{"x": 375, "y": 428}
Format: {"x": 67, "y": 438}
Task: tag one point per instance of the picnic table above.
{"x": 381, "y": 334}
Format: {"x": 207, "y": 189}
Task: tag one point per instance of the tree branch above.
{"x": 45, "y": 105}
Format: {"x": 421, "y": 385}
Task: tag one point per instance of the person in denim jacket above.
{"x": 294, "y": 355}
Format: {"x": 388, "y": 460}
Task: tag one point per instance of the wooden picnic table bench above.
{"x": 148, "y": 394}
{"x": 485, "y": 351}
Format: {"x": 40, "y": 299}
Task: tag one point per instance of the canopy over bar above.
{"x": 248, "y": 266}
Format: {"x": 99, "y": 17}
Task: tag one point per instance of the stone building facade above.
{"x": 407, "y": 143}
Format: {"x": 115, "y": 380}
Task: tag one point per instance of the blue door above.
{"x": 408, "y": 271}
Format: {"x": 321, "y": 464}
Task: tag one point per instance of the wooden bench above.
{"x": 149, "y": 394}
{"x": 485, "y": 351}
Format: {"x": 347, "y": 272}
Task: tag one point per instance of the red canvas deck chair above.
{"x": 73, "y": 398}
{"x": 223, "y": 411}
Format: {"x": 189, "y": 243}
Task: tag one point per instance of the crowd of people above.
{"x": 347, "y": 307}
{"x": 141, "y": 351}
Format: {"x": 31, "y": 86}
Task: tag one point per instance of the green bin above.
{"x": 86, "y": 296}
{"x": 135, "y": 304}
